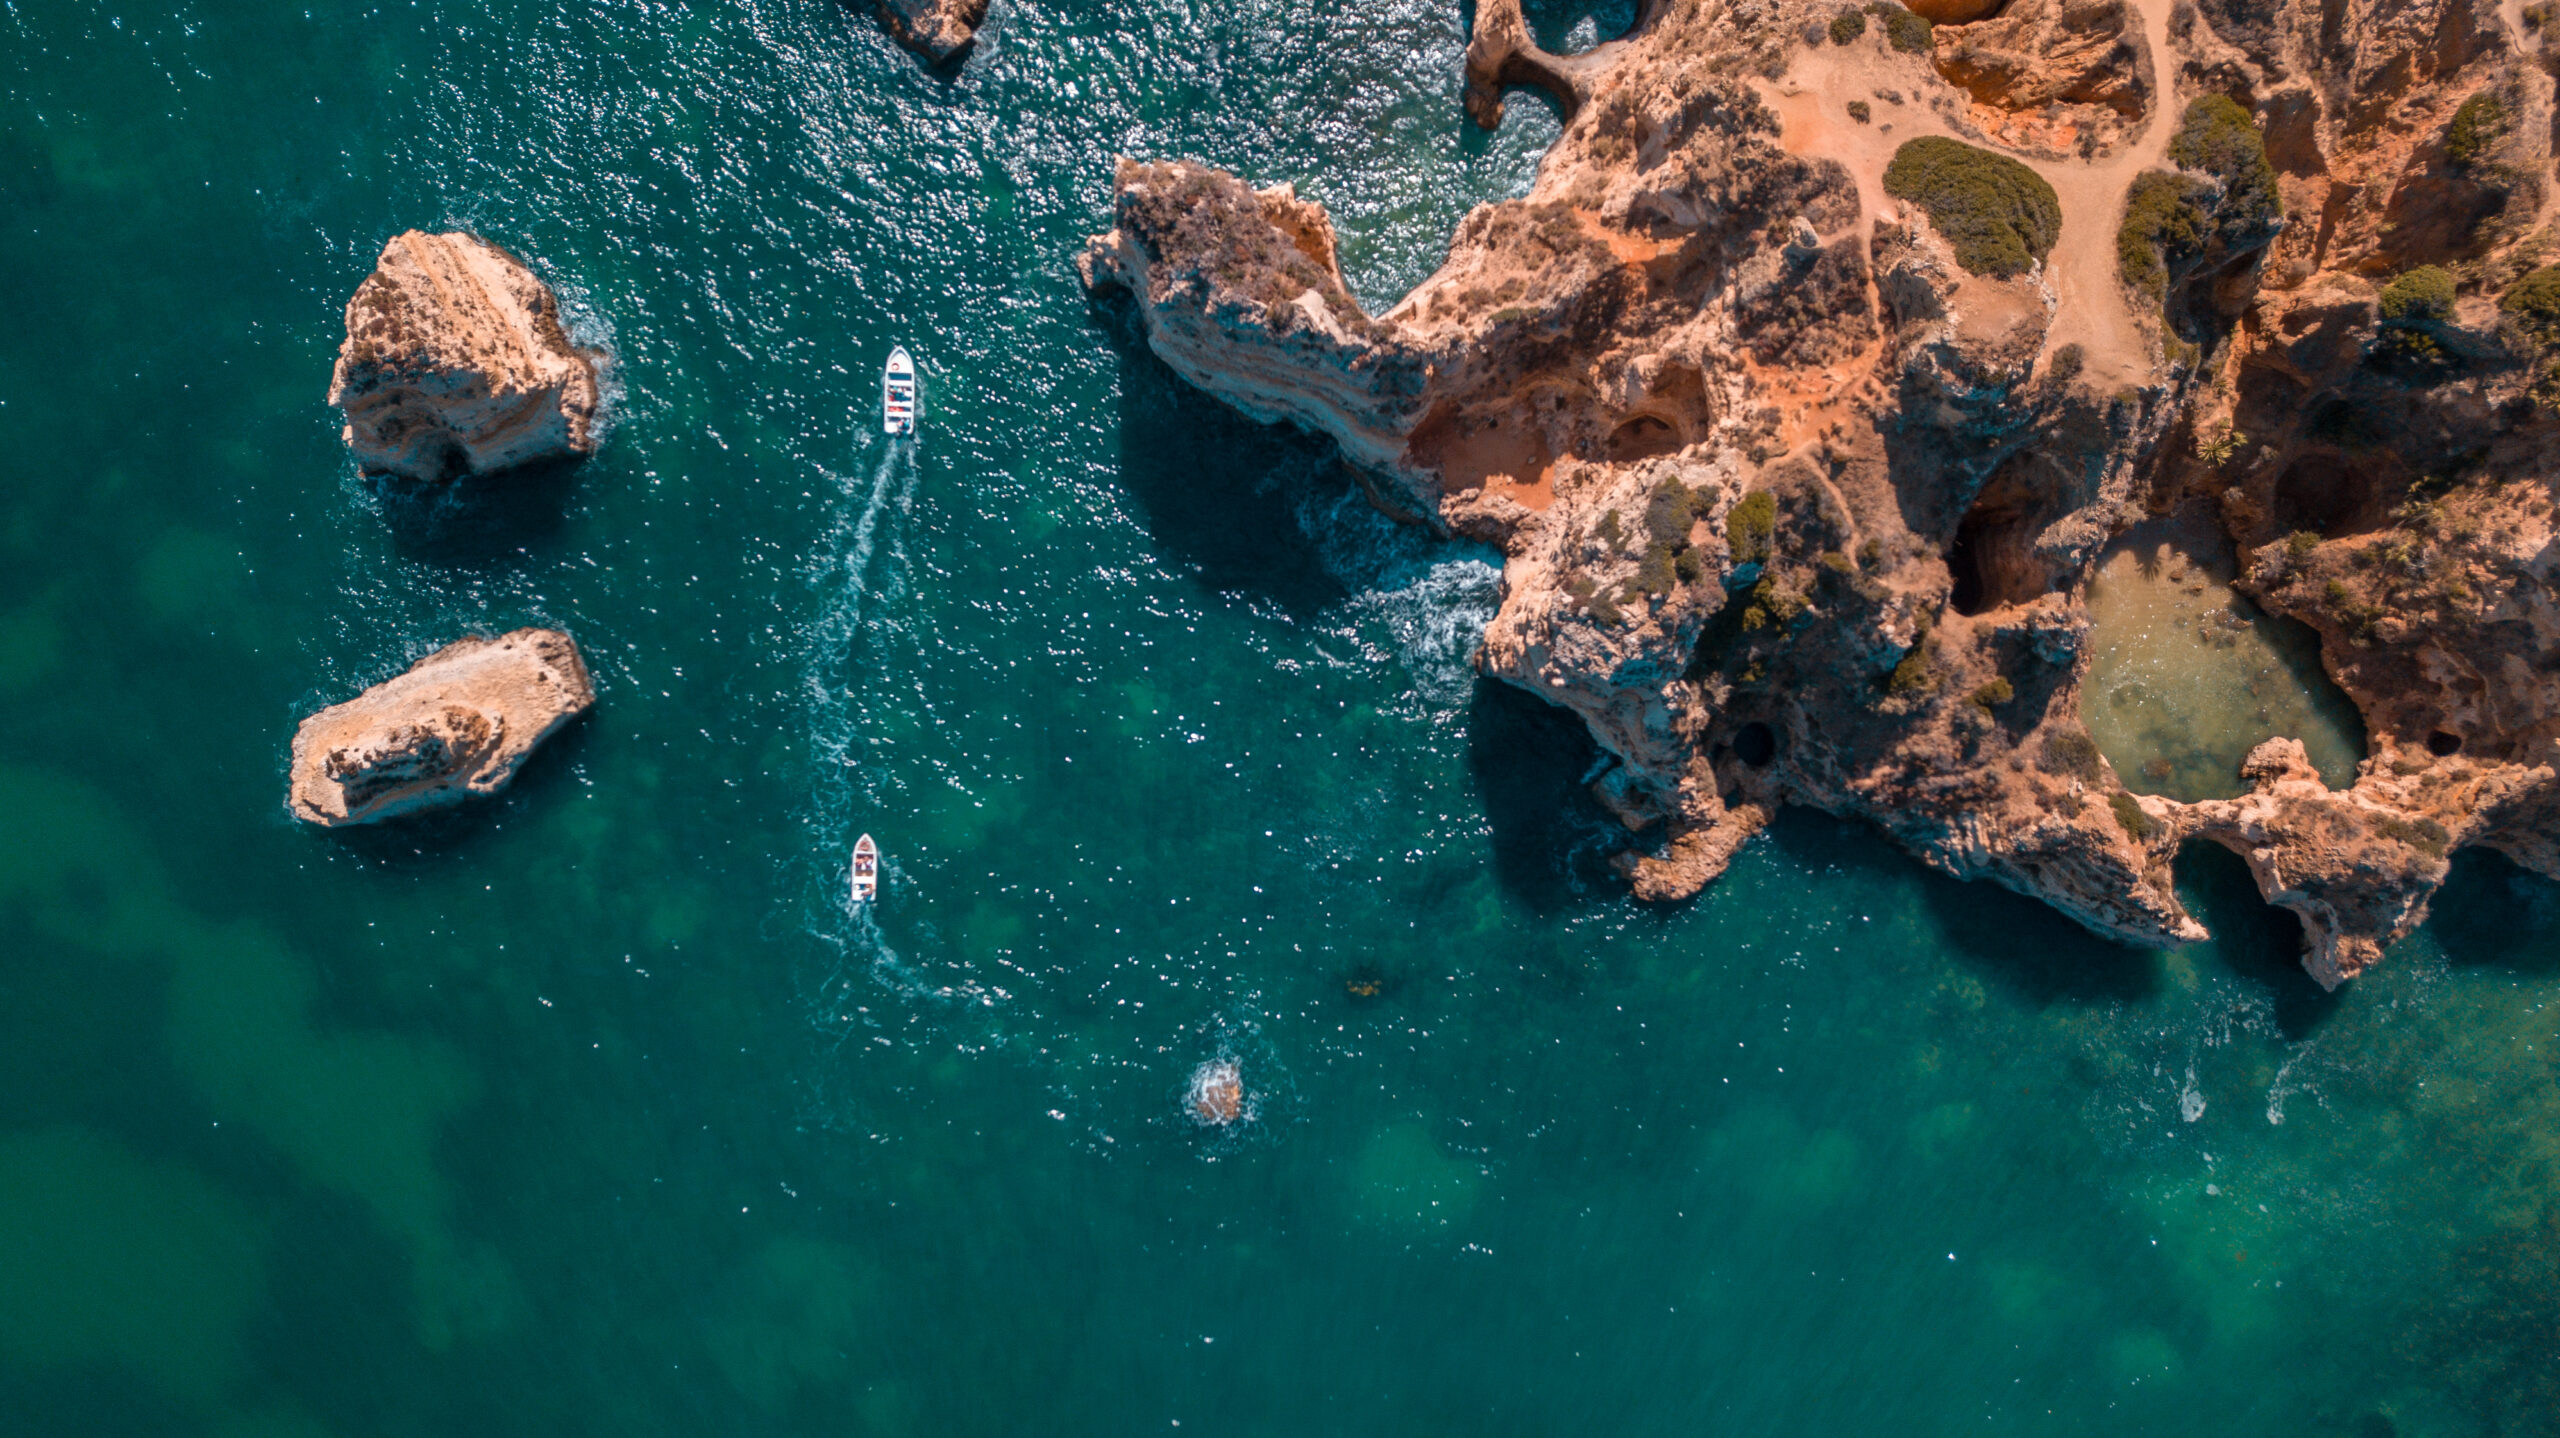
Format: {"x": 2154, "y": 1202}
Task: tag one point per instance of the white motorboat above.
{"x": 898, "y": 393}
{"x": 866, "y": 870}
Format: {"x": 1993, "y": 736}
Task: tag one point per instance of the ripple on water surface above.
{"x": 2188, "y": 676}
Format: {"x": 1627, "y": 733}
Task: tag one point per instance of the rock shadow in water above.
{"x": 2494, "y": 913}
{"x": 1552, "y": 22}
{"x": 2258, "y": 942}
{"x": 478, "y": 519}
{"x": 2031, "y": 950}
{"x": 1216, "y": 488}
{"x": 1531, "y": 761}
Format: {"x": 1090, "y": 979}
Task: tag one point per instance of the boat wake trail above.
{"x": 859, "y": 572}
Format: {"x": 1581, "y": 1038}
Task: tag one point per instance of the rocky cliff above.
{"x": 455, "y": 363}
{"x": 1829, "y": 349}
{"x": 458, "y": 724}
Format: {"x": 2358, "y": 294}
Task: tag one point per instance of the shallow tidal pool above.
{"x": 2186, "y": 676}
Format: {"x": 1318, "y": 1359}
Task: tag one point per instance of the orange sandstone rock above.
{"x": 458, "y": 724}
{"x": 1794, "y": 510}
{"x": 455, "y": 363}
{"x": 935, "y": 29}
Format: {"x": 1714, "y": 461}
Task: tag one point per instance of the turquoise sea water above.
{"x": 592, "y": 1110}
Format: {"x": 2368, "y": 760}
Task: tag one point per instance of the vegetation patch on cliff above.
{"x": 2222, "y": 202}
{"x": 1904, "y": 31}
{"x": 2218, "y": 138}
{"x": 2163, "y": 220}
{"x": 2530, "y": 311}
{"x": 2476, "y": 129}
{"x": 2000, "y": 216}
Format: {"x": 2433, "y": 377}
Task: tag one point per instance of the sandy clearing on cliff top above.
{"x": 2094, "y": 310}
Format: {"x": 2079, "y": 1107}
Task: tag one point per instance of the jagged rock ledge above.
{"x": 1798, "y": 509}
{"x": 458, "y": 724}
{"x": 455, "y": 363}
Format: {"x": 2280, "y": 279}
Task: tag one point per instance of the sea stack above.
{"x": 455, "y": 364}
{"x": 935, "y": 29}
{"x": 458, "y": 724}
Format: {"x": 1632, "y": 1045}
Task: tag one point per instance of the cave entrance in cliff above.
{"x": 1642, "y": 436}
{"x": 2260, "y": 943}
{"x": 2186, "y": 676}
{"x": 2330, "y": 496}
{"x": 1992, "y": 560}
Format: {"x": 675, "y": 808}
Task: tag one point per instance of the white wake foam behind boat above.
{"x": 898, "y": 393}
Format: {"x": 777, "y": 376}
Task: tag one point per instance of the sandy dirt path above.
{"x": 2093, "y": 310}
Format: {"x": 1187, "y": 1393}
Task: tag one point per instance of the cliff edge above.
{"x": 1806, "y": 386}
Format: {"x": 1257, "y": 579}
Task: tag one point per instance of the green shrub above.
{"x": 2476, "y": 128}
{"x": 2163, "y": 217}
{"x": 1903, "y": 30}
{"x": 1848, "y": 25}
{"x": 2420, "y": 296}
{"x": 1668, "y": 513}
{"x": 1998, "y": 691}
{"x": 1656, "y": 574}
{"x": 2299, "y": 544}
{"x": 2534, "y": 303}
{"x": 2065, "y": 366}
{"x": 2129, "y": 814}
{"x": 1752, "y": 527}
{"x": 1860, "y": 111}
{"x": 2071, "y": 752}
{"x": 2426, "y": 835}
{"x": 1689, "y": 566}
{"x": 2218, "y": 137}
{"x": 1610, "y": 534}
{"x": 2000, "y": 216}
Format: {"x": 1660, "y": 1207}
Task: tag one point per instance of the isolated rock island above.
{"x": 935, "y": 29}
{"x": 458, "y": 724}
{"x": 1831, "y": 347}
{"x": 456, "y": 364}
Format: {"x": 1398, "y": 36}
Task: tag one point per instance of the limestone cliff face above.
{"x": 455, "y": 363}
{"x": 935, "y": 29}
{"x": 458, "y": 724}
{"x": 1797, "y": 508}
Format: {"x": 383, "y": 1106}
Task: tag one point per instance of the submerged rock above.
{"x": 458, "y": 724}
{"x": 455, "y": 364}
{"x": 1216, "y": 1095}
{"x": 935, "y": 29}
{"x": 1798, "y": 507}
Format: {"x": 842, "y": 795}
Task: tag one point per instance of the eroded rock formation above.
{"x": 935, "y": 29}
{"x": 1798, "y": 510}
{"x": 455, "y": 363}
{"x": 458, "y": 724}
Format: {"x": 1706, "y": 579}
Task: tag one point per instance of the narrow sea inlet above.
{"x": 598, "y": 1107}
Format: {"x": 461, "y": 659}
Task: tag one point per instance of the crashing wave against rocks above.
{"x": 1799, "y": 488}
